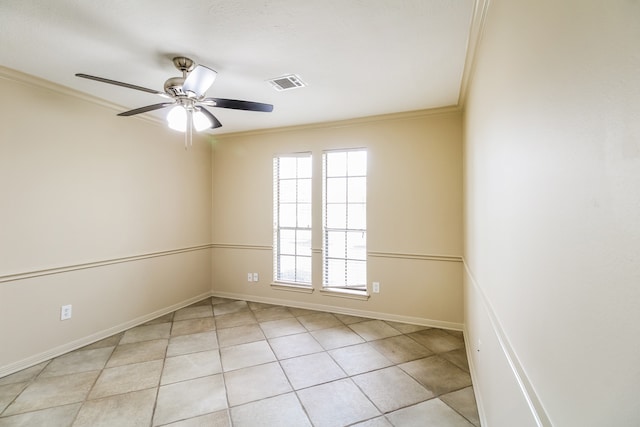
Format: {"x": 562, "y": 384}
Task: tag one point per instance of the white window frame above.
{"x": 355, "y": 267}
{"x": 296, "y": 249}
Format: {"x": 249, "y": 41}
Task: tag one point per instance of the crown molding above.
{"x": 478, "y": 20}
{"x": 345, "y": 123}
{"x": 30, "y": 80}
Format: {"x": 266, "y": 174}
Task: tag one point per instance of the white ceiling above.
{"x": 358, "y": 57}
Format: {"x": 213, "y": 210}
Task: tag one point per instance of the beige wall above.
{"x": 414, "y": 214}
{"x": 552, "y": 250}
{"x": 106, "y": 213}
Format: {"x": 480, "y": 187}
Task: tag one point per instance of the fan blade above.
{"x": 216, "y": 123}
{"x": 237, "y": 104}
{"x": 117, "y": 83}
{"x": 145, "y": 109}
{"x": 199, "y": 80}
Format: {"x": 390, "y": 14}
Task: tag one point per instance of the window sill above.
{"x": 346, "y": 293}
{"x": 292, "y": 287}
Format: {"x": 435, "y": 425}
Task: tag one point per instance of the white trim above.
{"x": 535, "y": 405}
{"x": 421, "y": 257}
{"x": 343, "y": 310}
{"x": 94, "y": 264}
{"x": 19, "y": 77}
{"x": 346, "y": 123}
{"x": 474, "y": 377}
{"x": 238, "y": 246}
{"x": 344, "y": 293}
{"x": 372, "y": 254}
{"x": 90, "y": 339}
{"x": 292, "y": 287}
{"x": 477, "y": 24}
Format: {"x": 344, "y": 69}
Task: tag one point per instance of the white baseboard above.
{"x": 474, "y": 377}
{"x": 90, "y": 339}
{"x": 341, "y": 310}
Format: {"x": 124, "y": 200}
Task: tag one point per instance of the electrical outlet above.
{"x": 249, "y": 277}
{"x": 255, "y": 277}
{"x": 376, "y": 287}
{"x": 65, "y": 312}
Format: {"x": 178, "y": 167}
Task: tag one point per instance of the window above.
{"x": 292, "y": 218}
{"x": 345, "y": 219}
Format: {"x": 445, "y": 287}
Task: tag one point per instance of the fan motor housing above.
{"x": 173, "y": 86}
{"x": 183, "y": 64}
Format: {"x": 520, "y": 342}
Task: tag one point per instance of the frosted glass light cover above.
{"x": 201, "y": 121}
{"x": 177, "y": 118}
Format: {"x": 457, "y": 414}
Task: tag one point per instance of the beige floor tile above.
{"x": 239, "y": 335}
{"x": 273, "y": 313}
{"x": 376, "y": 422}
{"x": 391, "y": 388}
{"x": 8, "y": 392}
{"x": 193, "y": 326}
{"x": 193, "y": 363}
{"x": 193, "y": 312}
{"x": 437, "y": 340}
{"x": 374, "y": 330}
{"x": 206, "y": 301}
{"x": 430, "y": 413}
{"x": 220, "y": 300}
{"x": 400, "y": 349}
{"x": 58, "y": 416}
{"x": 53, "y": 391}
{"x": 123, "y": 410}
{"x": 235, "y": 319}
{"x": 282, "y": 327}
{"x": 338, "y": 403}
{"x": 359, "y": 358}
{"x": 78, "y": 361}
{"x": 457, "y": 334}
{"x": 255, "y": 383}
{"x": 137, "y": 352}
{"x": 294, "y": 345}
{"x": 280, "y": 411}
{"x": 146, "y": 333}
{"x": 244, "y": 355}
{"x": 300, "y": 311}
{"x": 437, "y": 374}
{"x": 341, "y": 336}
{"x": 406, "y": 328}
{"x": 24, "y": 375}
{"x": 127, "y": 378}
{"x": 111, "y": 341}
{"x": 230, "y": 307}
{"x": 348, "y": 319}
{"x": 310, "y": 370}
{"x": 314, "y": 322}
{"x": 190, "y": 366}
{"x": 255, "y": 306}
{"x": 192, "y": 343}
{"x": 215, "y": 419}
{"x": 162, "y": 319}
{"x": 189, "y": 399}
{"x": 463, "y": 402}
{"x": 457, "y": 357}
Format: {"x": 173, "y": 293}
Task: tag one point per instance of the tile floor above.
{"x": 224, "y": 362}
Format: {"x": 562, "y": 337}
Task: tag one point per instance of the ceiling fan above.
{"x": 187, "y": 96}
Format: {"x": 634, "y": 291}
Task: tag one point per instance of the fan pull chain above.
{"x": 188, "y": 136}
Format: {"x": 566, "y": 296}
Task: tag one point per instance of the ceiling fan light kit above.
{"x": 188, "y": 98}
{"x": 177, "y": 119}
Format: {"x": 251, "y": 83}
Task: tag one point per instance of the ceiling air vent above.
{"x": 287, "y": 82}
